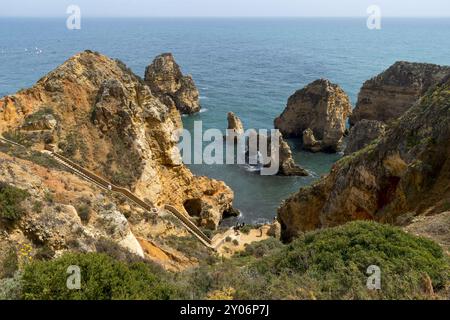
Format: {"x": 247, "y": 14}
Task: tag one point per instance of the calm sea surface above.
{"x": 248, "y": 66}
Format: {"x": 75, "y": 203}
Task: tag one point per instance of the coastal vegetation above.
{"x": 325, "y": 264}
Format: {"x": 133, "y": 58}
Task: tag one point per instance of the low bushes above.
{"x": 326, "y": 264}
{"x": 332, "y": 264}
{"x": 102, "y": 278}
{"x": 11, "y": 199}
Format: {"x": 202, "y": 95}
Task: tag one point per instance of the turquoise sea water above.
{"x": 248, "y": 66}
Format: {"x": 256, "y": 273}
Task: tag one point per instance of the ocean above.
{"x": 248, "y": 66}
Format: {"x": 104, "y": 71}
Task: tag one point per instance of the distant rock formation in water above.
{"x": 317, "y": 114}
{"x": 287, "y": 166}
{"x": 235, "y": 124}
{"x": 165, "y": 79}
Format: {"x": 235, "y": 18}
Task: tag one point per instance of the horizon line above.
{"x": 229, "y": 17}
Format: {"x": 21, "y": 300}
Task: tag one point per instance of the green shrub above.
{"x": 44, "y": 160}
{"x": 84, "y": 212}
{"x": 102, "y": 278}
{"x": 188, "y": 245}
{"x": 336, "y": 260}
{"x": 41, "y": 113}
{"x": 446, "y": 206}
{"x": 44, "y": 253}
{"x": 36, "y": 157}
{"x": 326, "y": 264}
{"x": 115, "y": 251}
{"x": 11, "y": 202}
{"x": 18, "y": 137}
{"x": 74, "y": 145}
{"x": 9, "y": 264}
{"x": 49, "y": 197}
{"x": 261, "y": 248}
{"x": 246, "y": 229}
{"x": 37, "y": 206}
{"x": 11, "y": 288}
{"x": 331, "y": 264}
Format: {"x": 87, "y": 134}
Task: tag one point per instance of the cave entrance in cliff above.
{"x": 193, "y": 207}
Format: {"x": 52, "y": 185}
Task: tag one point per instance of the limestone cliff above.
{"x": 235, "y": 124}
{"x": 61, "y": 212}
{"x": 388, "y": 95}
{"x": 403, "y": 174}
{"x": 321, "y": 109}
{"x": 363, "y": 133}
{"x": 104, "y": 117}
{"x": 165, "y": 79}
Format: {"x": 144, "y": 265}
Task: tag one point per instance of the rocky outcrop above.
{"x": 61, "y": 211}
{"x": 110, "y": 122}
{"x": 287, "y": 166}
{"x": 165, "y": 79}
{"x": 404, "y": 174}
{"x": 40, "y": 122}
{"x": 363, "y": 133}
{"x": 321, "y": 107}
{"x": 434, "y": 227}
{"x": 235, "y": 124}
{"x": 309, "y": 141}
{"x": 390, "y": 94}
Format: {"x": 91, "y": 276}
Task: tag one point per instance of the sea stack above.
{"x": 317, "y": 114}
{"x": 235, "y": 124}
{"x": 165, "y": 79}
{"x": 287, "y": 166}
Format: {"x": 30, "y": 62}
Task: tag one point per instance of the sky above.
{"x": 225, "y": 8}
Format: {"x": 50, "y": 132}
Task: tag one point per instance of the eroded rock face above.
{"x": 40, "y": 123}
{"x": 235, "y": 124}
{"x": 309, "y": 141}
{"x": 58, "y": 224}
{"x": 287, "y": 165}
{"x": 363, "y": 133}
{"x": 389, "y": 95}
{"x": 323, "y": 108}
{"x": 404, "y": 174}
{"x": 110, "y": 122}
{"x": 165, "y": 79}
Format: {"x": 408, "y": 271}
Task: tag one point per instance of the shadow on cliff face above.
{"x": 193, "y": 207}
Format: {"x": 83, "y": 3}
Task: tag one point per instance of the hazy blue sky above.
{"x": 215, "y": 8}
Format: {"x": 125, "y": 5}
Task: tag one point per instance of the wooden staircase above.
{"x": 108, "y": 186}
